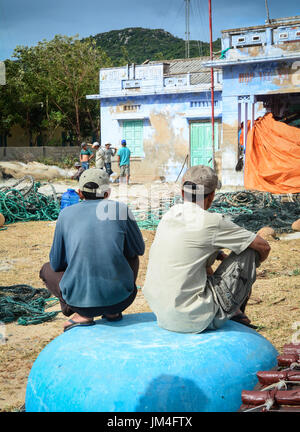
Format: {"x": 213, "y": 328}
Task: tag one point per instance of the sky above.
{"x": 26, "y": 22}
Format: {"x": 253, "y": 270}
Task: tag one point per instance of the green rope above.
{"x": 25, "y": 304}
{"x": 27, "y": 204}
{"x": 255, "y": 210}
{"x": 149, "y": 219}
{"x": 250, "y": 210}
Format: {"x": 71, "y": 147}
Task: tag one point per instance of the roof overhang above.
{"x": 248, "y": 60}
{"x": 129, "y": 116}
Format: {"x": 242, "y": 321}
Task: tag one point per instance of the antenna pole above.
{"x": 187, "y": 28}
{"x": 267, "y": 10}
{"x": 212, "y": 85}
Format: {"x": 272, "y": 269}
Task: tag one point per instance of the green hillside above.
{"x": 135, "y": 45}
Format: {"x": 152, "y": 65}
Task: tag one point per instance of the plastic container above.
{"x": 133, "y": 365}
{"x": 69, "y": 198}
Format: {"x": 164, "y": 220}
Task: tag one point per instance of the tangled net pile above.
{"x": 25, "y": 304}
{"x": 23, "y": 202}
{"x": 149, "y": 219}
{"x": 255, "y": 210}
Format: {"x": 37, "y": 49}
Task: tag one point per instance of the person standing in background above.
{"x": 124, "y": 161}
{"x": 85, "y": 156}
{"x": 108, "y": 153}
{"x": 99, "y": 163}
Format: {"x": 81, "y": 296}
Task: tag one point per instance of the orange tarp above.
{"x": 272, "y": 161}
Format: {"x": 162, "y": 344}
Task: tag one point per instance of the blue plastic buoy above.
{"x": 69, "y": 198}
{"x": 135, "y": 366}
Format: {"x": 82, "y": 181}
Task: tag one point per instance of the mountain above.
{"x": 135, "y": 45}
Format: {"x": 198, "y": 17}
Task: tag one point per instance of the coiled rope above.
{"x": 25, "y": 203}
{"x": 25, "y": 304}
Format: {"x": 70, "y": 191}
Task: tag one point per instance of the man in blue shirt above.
{"x": 124, "y": 161}
{"x": 94, "y": 256}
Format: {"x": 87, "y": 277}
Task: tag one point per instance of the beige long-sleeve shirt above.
{"x": 175, "y": 285}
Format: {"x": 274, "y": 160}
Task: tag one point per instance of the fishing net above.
{"x": 25, "y": 304}
{"x": 22, "y": 202}
{"x": 250, "y": 210}
{"x": 255, "y": 210}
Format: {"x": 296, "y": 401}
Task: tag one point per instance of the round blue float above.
{"x": 135, "y": 366}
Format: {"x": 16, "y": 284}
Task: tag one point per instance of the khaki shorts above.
{"x": 124, "y": 170}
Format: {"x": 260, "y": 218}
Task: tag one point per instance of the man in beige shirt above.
{"x": 99, "y": 163}
{"x": 180, "y": 286}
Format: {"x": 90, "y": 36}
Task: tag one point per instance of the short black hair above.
{"x": 90, "y": 195}
{"x": 191, "y": 195}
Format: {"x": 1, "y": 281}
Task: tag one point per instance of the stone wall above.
{"x": 30, "y": 154}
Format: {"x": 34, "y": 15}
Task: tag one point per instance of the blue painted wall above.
{"x": 166, "y": 119}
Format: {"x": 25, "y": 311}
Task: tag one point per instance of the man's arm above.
{"x": 134, "y": 243}
{"x": 57, "y": 256}
{"x": 261, "y": 246}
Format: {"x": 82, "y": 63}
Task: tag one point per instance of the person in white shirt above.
{"x": 180, "y": 286}
{"x": 99, "y": 155}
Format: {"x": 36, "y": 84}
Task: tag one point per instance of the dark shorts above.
{"x": 51, "y": 279}
{"x": 108, "y": 168}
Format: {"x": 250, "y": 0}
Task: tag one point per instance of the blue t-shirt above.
{"x": 124, "y": 154}
{"x": 91, "y": 242}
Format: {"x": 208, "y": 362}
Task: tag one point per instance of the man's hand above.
{"x": 221, "y": 256}
{"x": 209, "y": 271}
{"x": 261, "y": 246}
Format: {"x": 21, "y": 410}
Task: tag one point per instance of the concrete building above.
{"x": 261, "y": 73}
{"x": 163, "y": 110}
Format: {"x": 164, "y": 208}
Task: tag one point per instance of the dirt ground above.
{"x": 24, "y": 247}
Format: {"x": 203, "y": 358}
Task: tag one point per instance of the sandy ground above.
{"x": 24, "y": 247}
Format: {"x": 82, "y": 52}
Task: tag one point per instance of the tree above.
{"x": 54, "y": 78}
{"x": 12, "y": 109}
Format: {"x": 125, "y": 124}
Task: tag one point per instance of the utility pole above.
{"x": 267, "y": 10}
{"x": 187, "y": 28}
{"x": 212, "y": 85}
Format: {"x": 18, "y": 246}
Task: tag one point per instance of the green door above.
{"x": 133, "y": 133}
{"x": 201, "y": 143}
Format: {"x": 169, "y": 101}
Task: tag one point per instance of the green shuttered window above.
{"x": 133, "y": 133}
{"x": 201, "y": 143}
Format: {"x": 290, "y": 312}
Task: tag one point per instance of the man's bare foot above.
{"x": 77, "y": 319}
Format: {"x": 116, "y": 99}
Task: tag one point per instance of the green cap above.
{"x": 98, "y": 176}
